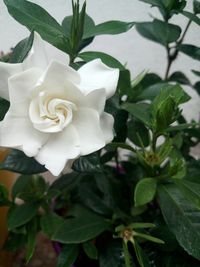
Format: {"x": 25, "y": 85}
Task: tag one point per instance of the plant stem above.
{"x": 172, "y": 57}
{"x": 126, "y": 255}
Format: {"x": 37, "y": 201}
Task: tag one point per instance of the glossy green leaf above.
{"x": 50, "y": 222}
{"x": 140, "y": 111}
{"x": 19, "y": 215}
{"x": 88, "y": 164}
{"x": 179, "y": 77}
{"x": 17, "y": 161}
{"x": 68, "y": 255}
{"x": 90, "y": 250}
{"x": 159, "y": 31}
{"x": 32, "y": 230}
{"x": 22, "y": 49}
{"x": 35, "y": 18}
{"x": 80, "y": 229}
{"x": 190, "y": 190}
{"x": 190, "y": 50}
{"x": 109, "y": 27}
{"x": 106, "y": 59}
{"x": 182, "y": 218}
{"x": 145, "y": 191}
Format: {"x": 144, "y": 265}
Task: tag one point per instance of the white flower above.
{"x": 56, "y": 114}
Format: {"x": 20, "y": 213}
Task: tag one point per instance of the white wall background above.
{"x": 130, "y": 48}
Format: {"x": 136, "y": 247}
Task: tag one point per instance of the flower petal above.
{"x": 87, "y": 124}
{"x": 20, "y": 90}
{"x": 7, "y": 70}
{"x": 107, "y": 123}
{"x": 18, "y": 132}
{"x": 95, "y": 100}
{"x": 58, "y": 75}
{"x": 96, "y": 75}
{"x": 59, "y": 149}
{"x": 42, "y": 53}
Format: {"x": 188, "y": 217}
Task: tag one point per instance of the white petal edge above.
{"x": 107, "y": 126}
{"x": 6, "y": 71}
{"x": 95, "y": 75}
{"x": 21, "y": 87}
{"x": 18, "y": 132}
{"x": 42, "y": 53}
{"x": 59, "y": 149}
{"x": 87, "y": 124}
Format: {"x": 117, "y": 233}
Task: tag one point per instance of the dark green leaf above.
{"x": 3, "y": 195}
{"x": 22, "y": 49}
{"x": 191, "y": 191}
{"x": 90, "y": 250}
{"x": 192, "y": 17}
{"x": 140, "y": 111}
{"x": 88, "y": 164}
{"x": 18, "y": 162}
{"x": 141, "y": 256}
{"x": 182, "y": 218}
{"x": 145, "y": 191}
{"x": 159, "y": 31}
{"x": 190, "y": 50}
{"x": 19, "y": 215}
{"x": 111, "y": 254}
{"x": 50, "y": 222}
{"x": 197, "y": 73}
{"x": 109, "y": 27}
{"x": 31, "y": 242}
{"x": 35, "y": 18}
{"x": 4, "y": 106}
{"x": 68, "y": 255}
{"x": 80, "y": 229}
{"x": 179, "y": 77}
{"x": 106, "y": 59}
{"x": 138, "y": 133}
{"x": 197, "y": 87}
{"x": 29, "y": 187}
{"x": 196, "y": 6}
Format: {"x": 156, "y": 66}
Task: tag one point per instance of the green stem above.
{"x": 172, "y": 57}
{"x": 126, "y": 255}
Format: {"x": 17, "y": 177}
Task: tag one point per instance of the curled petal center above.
{"x": 50, "y": 113}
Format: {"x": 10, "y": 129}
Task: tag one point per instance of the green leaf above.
{"x": 106, "y": 59}
{"x": 197, "y": 73}
{"x": 140, "y": 111}
{"x": 145, "y": 191}
{"x": 109, "y": 27}
{"x": 190, "y": 50}
{"x": 149, "y": 238}
{"x": 197, "y": 87}
{"x": 50, "y": 222}
{"x": 4, "y": 197}
{"x": 138, "y": 133}
{"x": 192, "y": 17}
{"x": 35, "y": 18}
{"x": 4, "y": 106}
{"x": 31, "y": 240}
{"x": 90, "y": 250}
{"x": 68, "y": 255}
{"x": 196, "y": 6}
{"x": 111, "y": 254}
{"x": 182, "y": 218}
{"x": 88, "y": 164}
{"x": 179, "y": 77}
{"x": 80, "y": 229}
{"x": 121, "y": 145}
{"x": 19, "y": 215}
{"x": 190, "y": 190}
{"x": 18, "y": 162}
{"x": 159, "y": 31}
{"x": 29, "y": 188}
{"x": 22, "y": 49}
{"x": 141, "y": 255}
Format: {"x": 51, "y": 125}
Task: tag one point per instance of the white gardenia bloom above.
{"x": 56, "y": 114}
